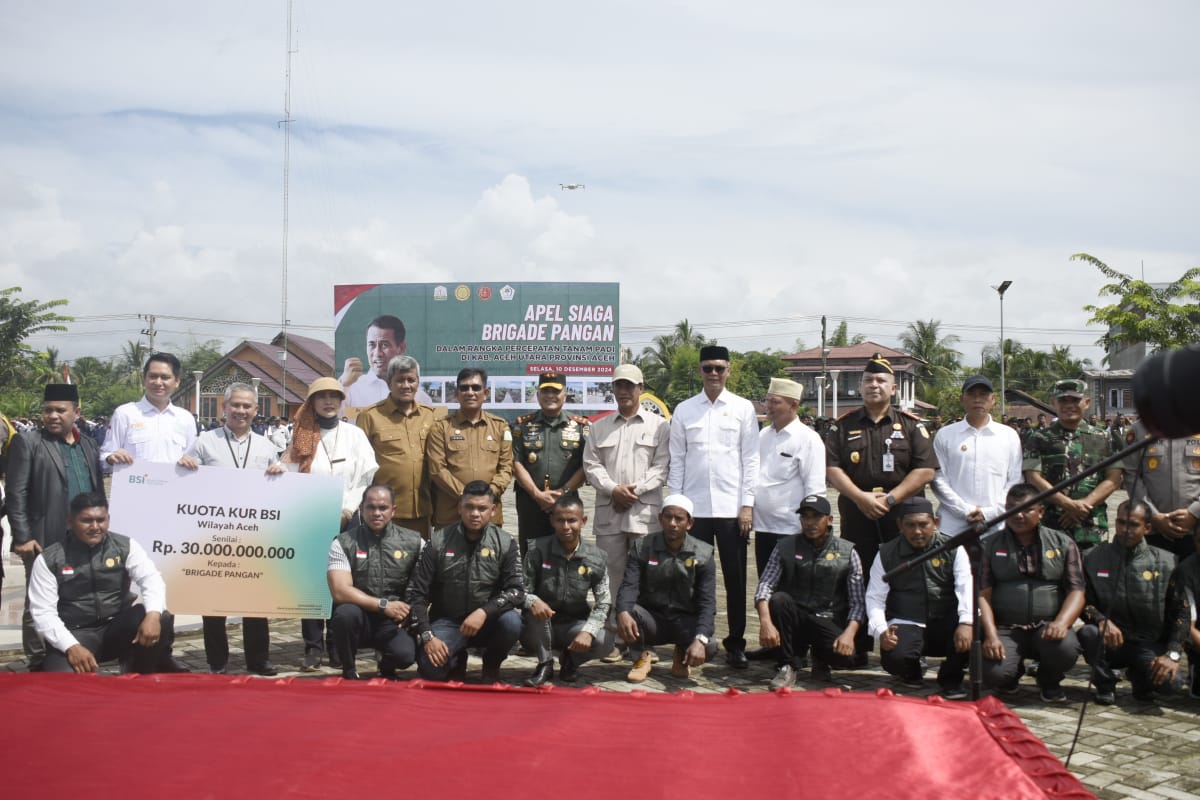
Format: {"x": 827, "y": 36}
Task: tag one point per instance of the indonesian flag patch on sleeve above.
{"x": 653, "y": 562}
{"x": 1002, "y": 553}
{"x": 68, "y": 571}
{"x": 360, "y": 553}
{"x": 1101, "y": 573}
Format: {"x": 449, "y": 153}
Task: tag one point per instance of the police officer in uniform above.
{"x": 560, "y": 572}
{"x": 1128, "y": 625}
{"x": 547, "y": 458}
{"x": 1167, "y": 475}
{"x": 368, "y": 574}
{"x": 876, "y": 456}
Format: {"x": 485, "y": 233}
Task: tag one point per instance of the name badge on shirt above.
{"x": 889, "y": 462}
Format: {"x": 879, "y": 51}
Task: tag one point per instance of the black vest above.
{"x": 1130, "y": 588}
{"x": 381, "y": 565}
{"x": 923, "y": 593}
{"x": 93, "y": 583}
{"x": 668, "y": 580}
{"x": 1019, "y": 599}
{"x": 560, "y": 583}
{"x": 818, "y": 580}
{"x": 468, "y": 575}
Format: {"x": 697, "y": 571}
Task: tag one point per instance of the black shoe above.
{"x": 821, "y": 672}
{"x": 172, "y": 664}
{"x": 955, "y": 692}
{"x": 491, "y": 675}
{"x": 350, "y": 675}
{"x": 541, "y": 675}
{"x": 568, "y": 669}
{"x": 860, "y": 661}
{"x": 312, "y": 659}
{"x": 216, "y": 669}
{"x": 265, "y": 668}
{"x": 1104, "y": 697}
{"x": 1053, "y": 694}
{"x": 736, "y": 658}
{"x": 1144, "y": 697}
{"x": 459, "y": 671}
{"x": 765, "y": 654}
{"x": 335, "y": 660}
{"x": 913, "y": 681}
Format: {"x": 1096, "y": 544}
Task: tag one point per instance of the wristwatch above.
{"x": 1174, "y": 655}
{"x": 891, "y": 501}
{"x": 702, "y": 639}
{"x": 383, "y": 601}
{"x": 426, "y": 637}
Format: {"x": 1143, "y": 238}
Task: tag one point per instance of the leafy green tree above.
{"x": 684, "y": 379}
{"x": 657, "y": 362}
{"x": 133, "y": 357}
{"x": 20, "y": 319}
{"x": 842, "y": 338}
{"x": 1164, "y": 318}
{"x": 751, "y": 373}
{"x": 198, "y": 356}
{"x": 938, "y": 364}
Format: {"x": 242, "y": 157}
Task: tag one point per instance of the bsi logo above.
{"x": 138, "y": 478}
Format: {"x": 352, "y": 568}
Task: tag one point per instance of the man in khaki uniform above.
{"x": 469, "y": 445}
{"x": 397, "y": 428}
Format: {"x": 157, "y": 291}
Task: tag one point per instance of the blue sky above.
{"x": 743, "y": 162}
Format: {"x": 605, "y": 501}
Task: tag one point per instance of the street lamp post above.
{"x": 834, "y": 374}
{"x": 1001, "y": 289}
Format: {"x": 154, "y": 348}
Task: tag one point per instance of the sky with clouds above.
{"x": 749, "y": 166}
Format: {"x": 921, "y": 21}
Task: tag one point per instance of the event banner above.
{"x": 515, "y": 331}
{"x": 232, "y": 542}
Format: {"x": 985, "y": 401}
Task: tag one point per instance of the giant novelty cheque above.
{"x": 232, "y": 542}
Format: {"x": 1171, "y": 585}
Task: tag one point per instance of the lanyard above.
{"x": 234, "y": 455}
{"x": 330, "y": 456}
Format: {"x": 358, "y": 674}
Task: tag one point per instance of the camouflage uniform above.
{"x": 1058, "y": 454}
{"x": 551, "y": 451}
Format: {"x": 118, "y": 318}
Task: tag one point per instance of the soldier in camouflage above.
{"x": 547, "y": 458}
{"x": 1066, "y": 448}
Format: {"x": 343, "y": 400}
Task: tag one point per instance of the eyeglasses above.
{"x": 470, "y": 387}
{"x": 710, "y": 368}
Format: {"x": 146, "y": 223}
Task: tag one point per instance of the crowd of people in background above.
{"x": 423, "y": 570}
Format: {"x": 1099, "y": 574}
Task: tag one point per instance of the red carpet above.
{"x": 199, "y": 736}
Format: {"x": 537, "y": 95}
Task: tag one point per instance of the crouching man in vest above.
{"x": 1031, "y": 590}
{"x": 79, "y": 596}
{"x": 467, "y": 591}
{"x": 368, "y": 572}
{"x": 926, "y": 610}
{"x": 811, "y": 595}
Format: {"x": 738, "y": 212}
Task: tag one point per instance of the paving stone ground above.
{"x": 1129, "y": 750}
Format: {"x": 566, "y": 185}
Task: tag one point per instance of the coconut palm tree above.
{"x": 938, "y": 361}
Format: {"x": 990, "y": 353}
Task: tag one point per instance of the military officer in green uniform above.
{"x": 1128, "y": 624}
{"x": 560, "y": 572}
{"x": 1064, "y": 449}
{"x": 547, "y": 458}
{"x": 876, "y": 456}
{"x": 1166, "y": 476}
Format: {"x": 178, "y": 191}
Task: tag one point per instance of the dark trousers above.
{"x": 114, "y": 640}
{"x": 935, "y": 639}
{"x": 866, "y": 535}
{"x": 764, "y": 543}
{"x": 317, "y": 634}
{"x": 496, "y": 637}
{"x": 256, "y": 639}
{"x": 677, "y": 629}
{"x": 1134, "y": 654}
{"x": 31, "y": 640}
{"x": 354, "y": 627}
{"x": 532, "y": 522}
{"x": 544, "y": 637}
{"x": 1055, "y": 657}
{"x": 800, "y": 629}
{"x": 731, "y": 548}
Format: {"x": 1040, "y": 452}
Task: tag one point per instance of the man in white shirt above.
{"x": 80, "y": 600}
{"x": 386, "y": 339}
{"x": 714, "y": 462}
{"x": 152, "y": 429}
{"x": 926, "y": 610}
{"x": 791, "y": 466}
{"x": 979, "y": 461}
